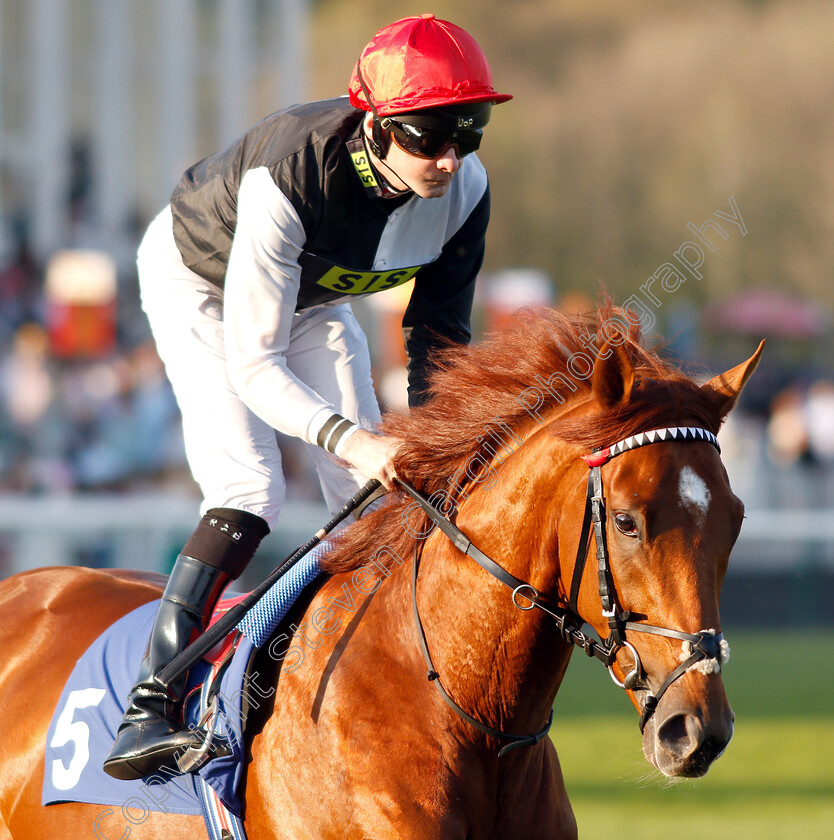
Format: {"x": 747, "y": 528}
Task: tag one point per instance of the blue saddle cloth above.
{"x": 93, "y": 702}
{"x": 90, "y": 711}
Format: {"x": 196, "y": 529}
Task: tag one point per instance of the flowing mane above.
{"x": 489, "y": 385}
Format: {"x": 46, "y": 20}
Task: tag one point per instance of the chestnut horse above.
{"x": 358, "y": 743}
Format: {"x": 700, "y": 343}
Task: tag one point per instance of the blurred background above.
{"x": 640, "y": 134}
{"x": 678, "y": 153}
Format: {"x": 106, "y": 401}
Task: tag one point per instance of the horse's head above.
{"x": 670, "y": 521}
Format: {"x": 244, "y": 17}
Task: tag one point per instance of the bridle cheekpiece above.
{"x": 705, "y": 645}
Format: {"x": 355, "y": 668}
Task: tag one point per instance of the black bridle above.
{"x": 705, "y": 645}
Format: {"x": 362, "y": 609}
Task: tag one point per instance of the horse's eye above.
{"x": 626, "y": 524}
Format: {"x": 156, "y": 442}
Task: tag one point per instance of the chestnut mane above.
{"x": 474, "y": 387}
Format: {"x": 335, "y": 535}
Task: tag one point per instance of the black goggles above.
{"x": 432, "y": 142}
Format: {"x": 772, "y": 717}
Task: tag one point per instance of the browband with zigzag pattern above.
{"x": 602, "y": 456}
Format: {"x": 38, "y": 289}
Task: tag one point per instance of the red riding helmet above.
{"x": 418, "y": 63}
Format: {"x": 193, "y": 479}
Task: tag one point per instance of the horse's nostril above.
{"x": 679, "y": 735}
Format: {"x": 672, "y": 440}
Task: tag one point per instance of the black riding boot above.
{"x": 149, "y": 737}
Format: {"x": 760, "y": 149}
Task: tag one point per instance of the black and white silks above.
{"x": 290, "y": 217}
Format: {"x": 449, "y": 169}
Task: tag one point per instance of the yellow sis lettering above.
{"x": 363, "y": 169}
{"x": 364, "y": 282}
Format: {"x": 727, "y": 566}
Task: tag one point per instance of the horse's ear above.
{"x": 723, "y": 390}
{"x": 613, "y": 376}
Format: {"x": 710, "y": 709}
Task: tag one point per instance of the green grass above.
{"x": 776, "y": 779}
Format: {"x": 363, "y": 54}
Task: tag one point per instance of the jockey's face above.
{"x": 427, "y": 177}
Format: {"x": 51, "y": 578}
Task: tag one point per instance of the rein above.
{"x": 563, "y": 618}
{"x": 706, "y": 645}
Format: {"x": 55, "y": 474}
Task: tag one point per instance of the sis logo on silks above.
{"x": 319, "y": 274}
{"x": 350, "y": 282}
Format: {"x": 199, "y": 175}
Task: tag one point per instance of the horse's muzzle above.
{"x": 685, "y": 742}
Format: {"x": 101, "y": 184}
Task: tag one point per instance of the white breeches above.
{"x": 232, "y": 453}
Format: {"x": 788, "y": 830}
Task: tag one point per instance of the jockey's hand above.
{"x": 373, "y": 455}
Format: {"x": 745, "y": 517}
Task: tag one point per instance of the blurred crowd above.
{"x": 801, "y": 425}
{"x": 111, "y": 423}
{"x": 104, "y": 422}
{"x": 77, "y": 423}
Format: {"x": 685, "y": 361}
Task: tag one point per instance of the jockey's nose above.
{"x": 449, "y": 160}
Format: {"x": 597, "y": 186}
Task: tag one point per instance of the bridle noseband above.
{"x": 705, "y": 645}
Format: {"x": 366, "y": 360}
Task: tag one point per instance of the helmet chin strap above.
{"x": 382, "y": 162}
{"x": 408, "y": 187}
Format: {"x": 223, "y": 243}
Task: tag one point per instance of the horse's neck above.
{"x": 499, "y": 662}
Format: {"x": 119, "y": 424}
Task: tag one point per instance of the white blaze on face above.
{"x": 694, "y": 493}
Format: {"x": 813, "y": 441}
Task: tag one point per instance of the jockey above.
{"x": 247, "y": 277}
